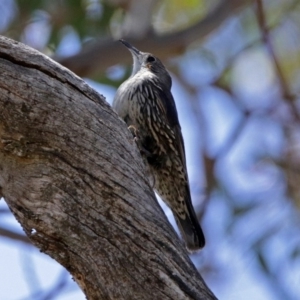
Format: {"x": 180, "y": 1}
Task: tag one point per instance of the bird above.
{"x": 145, "y": 102}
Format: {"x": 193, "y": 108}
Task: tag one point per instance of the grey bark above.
{"x": 73, "y": 177}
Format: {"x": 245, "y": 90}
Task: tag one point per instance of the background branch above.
{"x": 97, "y": 56}
{"x": 9, "y": 234}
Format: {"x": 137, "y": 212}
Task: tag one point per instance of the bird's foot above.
{"x": 135, "y": 133}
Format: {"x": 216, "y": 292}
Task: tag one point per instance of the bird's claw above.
{"x": 135, "y": 133}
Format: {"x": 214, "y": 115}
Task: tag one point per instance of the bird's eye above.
{"x": 150, "y": 59}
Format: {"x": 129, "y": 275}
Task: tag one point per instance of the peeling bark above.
{"x": 72, "y": 175}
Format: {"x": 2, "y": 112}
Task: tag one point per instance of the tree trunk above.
{"x": 73, "y": 177}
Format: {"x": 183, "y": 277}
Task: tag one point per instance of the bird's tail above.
{"x": 190, "y": 229}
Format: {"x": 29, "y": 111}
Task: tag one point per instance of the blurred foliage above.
{"x": 175, "y": 14}
{"x": 243, "y": 85}
{"x": 87, "y": 19}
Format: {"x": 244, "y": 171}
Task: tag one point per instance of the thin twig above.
{"x": 265, "y": 36}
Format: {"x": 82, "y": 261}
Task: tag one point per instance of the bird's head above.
{"x": 143, "y": 61}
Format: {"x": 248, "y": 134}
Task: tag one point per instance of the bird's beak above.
{"x": 137, "y": 57}
{"x": 132, "y": 49}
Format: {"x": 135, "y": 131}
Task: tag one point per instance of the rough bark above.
{"x": 71, "y": 174}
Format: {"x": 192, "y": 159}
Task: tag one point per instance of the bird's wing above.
{"x": 168, "y": 110}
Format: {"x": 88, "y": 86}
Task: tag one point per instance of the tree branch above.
{"x": 96, "y": 57}
{"x": 73, "y": 177}
{"x": 14, "y": 236}
{"x": 265, "y": 36}
{"x": 266, "y": 39}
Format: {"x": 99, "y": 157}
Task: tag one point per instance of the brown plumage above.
{"x": 146, "y": 104}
